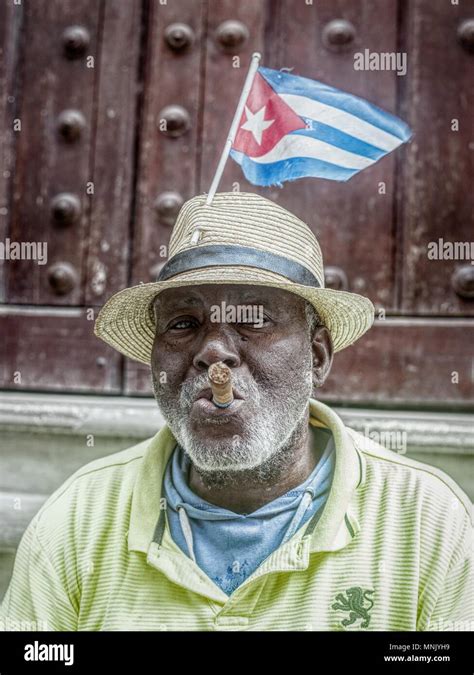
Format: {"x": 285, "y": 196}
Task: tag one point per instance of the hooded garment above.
{"x": 229, "y": 546}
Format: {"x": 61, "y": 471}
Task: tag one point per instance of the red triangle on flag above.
{"x": 267, "y": 119}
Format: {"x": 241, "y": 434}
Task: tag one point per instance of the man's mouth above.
{"x": 207, "y": 394}
{"x": 204, "y": 407}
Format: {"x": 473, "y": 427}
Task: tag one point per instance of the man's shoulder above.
{"x": 428, "y": 480}
{"x": 95, "y": 485}
{"x": 122, "y": 461}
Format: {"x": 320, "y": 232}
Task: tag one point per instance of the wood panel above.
{"x": 137, "y": 378}
{"x": 353, "y": 220}
{"x": 404, "y": 362}
{"x": 55, "y": 349}
{"x": 411, "y": 361}
{"x": 113, "y": 165}
{"x": 226, "y": 69}
{"x": 378, "y": 240}
{"x": 46, "y": 164}
{"x": 166, "y": 163}
{"x": 10, "y": 22}
{"x": 437, "y": 200}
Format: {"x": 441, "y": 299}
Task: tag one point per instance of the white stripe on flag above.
{"x": 342, "y": 120}
{"x": 294, "y": 145}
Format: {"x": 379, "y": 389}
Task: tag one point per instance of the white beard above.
{"x": 266, "y": 432}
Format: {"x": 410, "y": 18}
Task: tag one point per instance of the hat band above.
{"x": 228, "y": 254}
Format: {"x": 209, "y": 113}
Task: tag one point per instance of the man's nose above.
{"x": 217, "y": 345}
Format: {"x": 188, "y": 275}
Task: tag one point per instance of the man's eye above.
{"x": 257, "y": 325}
{"x": 182, "y": 324}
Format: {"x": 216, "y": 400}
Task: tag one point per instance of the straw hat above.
{"x": 240, "y": 238}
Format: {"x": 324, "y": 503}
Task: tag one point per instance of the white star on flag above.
{"x": 256, "y": 123}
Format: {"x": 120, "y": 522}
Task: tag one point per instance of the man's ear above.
{"x": 323, "y": 353}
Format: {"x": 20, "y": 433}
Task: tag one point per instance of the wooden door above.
{"x": 124, "y": 108}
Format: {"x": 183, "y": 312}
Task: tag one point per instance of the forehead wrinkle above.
{"x": 184, "y": 301}
{"x": 253, "y": 298}
{"x": 283, "y": 305}
{"x": 194, "y": 298}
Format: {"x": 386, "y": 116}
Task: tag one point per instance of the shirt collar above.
{"x": 338, "y": 523}
{"x": 334, "y": 529}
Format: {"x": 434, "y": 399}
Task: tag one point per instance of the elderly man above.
{"x": 265, "y": 513}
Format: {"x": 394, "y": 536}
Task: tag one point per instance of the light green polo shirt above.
{"x": 392, "y": 550}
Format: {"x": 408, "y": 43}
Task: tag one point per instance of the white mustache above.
{"x": 190, "y": 389}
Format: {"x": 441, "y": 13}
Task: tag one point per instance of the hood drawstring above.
{"x": 187, "y": 531}
{"x": 304, "y": 504}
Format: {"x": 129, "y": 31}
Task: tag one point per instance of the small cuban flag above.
{"x": 292, "y": 127}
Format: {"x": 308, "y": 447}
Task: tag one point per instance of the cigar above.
{"x": 220, "y": 377}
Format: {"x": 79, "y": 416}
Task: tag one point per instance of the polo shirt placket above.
{"x": 332, "y": 530}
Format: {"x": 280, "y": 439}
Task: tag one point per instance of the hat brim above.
{"x": 127, "y": 323}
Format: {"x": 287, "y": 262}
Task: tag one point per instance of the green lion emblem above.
{"x": 353, "y": 602}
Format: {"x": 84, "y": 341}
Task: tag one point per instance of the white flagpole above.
{"x": 256, "y": 56}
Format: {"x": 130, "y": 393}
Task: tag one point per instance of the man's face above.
{"x": 269, "y": 353}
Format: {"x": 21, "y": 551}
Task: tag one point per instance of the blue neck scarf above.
{"x": 230, "y": 546}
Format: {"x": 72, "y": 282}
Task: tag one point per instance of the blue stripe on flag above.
{"x": 289, "y": 169}
{"x": 328, "y": 134}
{"x": 285, "y": 83}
